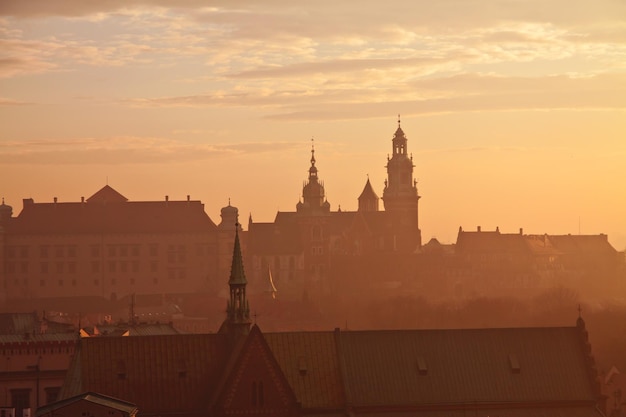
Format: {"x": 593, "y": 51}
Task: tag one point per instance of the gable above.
{"x": 255, "y": 384}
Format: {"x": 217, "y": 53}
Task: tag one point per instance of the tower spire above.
{"x": 238, "y": 309}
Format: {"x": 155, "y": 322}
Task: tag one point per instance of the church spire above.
{"x": 237, "y": 310}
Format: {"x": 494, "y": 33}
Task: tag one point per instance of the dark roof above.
{"x": 465, "y": 366}
{"x": 583, "y": 244}
{"x": 163, "y": 374}
{"x": 119, "y": 217}
{"x": 504, "y": 368}
{"x": 92, "y": 397}
{"x": 310, "y": 364}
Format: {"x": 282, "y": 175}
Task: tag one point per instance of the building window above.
{"x": 9, "y": 267}
{"x": 95, "y": 266}
{"x": 24, "y": 252}
{"x": 132, "y": 281}
{"x": 154, "y": 266}
{"x": 123, "y": 251}
{"x": 112, "y": 266}
{"x": 73, "y": 283}
{"x": 10, "y": 251}
{"x": 113, "y": 281}
{"x": 59, "y": 267}
{"x": 52, "y": 394}
{"x": 60, "y": 283}
{"x": 153, "y": 250}
{"x": 71, "y": 267}
{"x": 59, "y": 251}
{"x": 95, "y": 251}
{"x": 135, "y": 266}
{"x": 43, "y": 251}
{"x": 135, "y": 250}
{"x": 96, "y": 282}
{"x": 44, "y": 267}
{"x": 42, "y": 283}
{"x": 112, "y": 250}
{"x": 71, "y": 251}
{"x": 123, "y": 266}
{"x": 24, "y": 267}
{"x": 20, "y": 399}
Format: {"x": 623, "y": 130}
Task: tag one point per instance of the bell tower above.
{"x": 400, "y": 196}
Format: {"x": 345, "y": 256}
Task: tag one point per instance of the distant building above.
{"x": 36, "y": 354}
{"x": 240, "y": 370}
{"x": 106, "y": 247}
{"x": 303, "y": 250}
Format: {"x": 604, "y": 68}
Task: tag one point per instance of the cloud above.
{"x": 126, "y": 150}
{"x": 10, "y": 102}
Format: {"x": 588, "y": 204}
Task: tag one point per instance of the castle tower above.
{"x": 313, "y": 195}
{"x": 237, "y": 309}
{"x": 400, "y": 195}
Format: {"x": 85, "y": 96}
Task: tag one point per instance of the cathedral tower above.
{"x": 313, "y": 195}
{"x": 400, "y": 195}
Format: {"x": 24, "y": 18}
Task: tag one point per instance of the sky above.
{"x": 515, "y": 110}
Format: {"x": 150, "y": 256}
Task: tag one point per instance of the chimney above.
{"x": 55, "y": 200}
{"x": 521, "y": 231}
{"x": 82, "y": 199}
{"x": 167, "y": 198}
{"x": 478, "y": 229}
{"x": 188, "y": 197}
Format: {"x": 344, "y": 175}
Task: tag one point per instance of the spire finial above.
{"x": 398, "y": 119}
{"x": 312, "y": 151}
{"x": 580, "y": 312}
{"x": 228, "y": 201}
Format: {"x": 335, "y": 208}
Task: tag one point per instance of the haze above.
{"x": 514, "y": 110}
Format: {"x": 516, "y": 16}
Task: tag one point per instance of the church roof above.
{"x": 401, "y": 370}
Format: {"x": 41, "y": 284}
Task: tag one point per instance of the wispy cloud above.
{"x": 126, "y": 150}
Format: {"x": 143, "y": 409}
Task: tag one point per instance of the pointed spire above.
{"x": 237, "y": 275}
{"x": 398, "y": 120}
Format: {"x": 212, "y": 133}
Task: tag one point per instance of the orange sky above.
{"x": 515, "y": 111}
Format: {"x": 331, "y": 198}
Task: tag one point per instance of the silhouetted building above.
{"x": 306, "y": 250}
{"x": 106, "y": 246}
{"x": 242, "y": 371}
{"x": 89, "y": 404}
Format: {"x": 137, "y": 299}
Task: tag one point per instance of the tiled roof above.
{"x": 107, "y": 195}
{"x": 159, "y": 373}
{"x": 478, "y": 369}
{"x": 415, "y": 367}
{"x": 126, "y": 217}
{"x": 368, "y": 192}
{"x": 583, "y": 244}
{"x": 309, "y": 362}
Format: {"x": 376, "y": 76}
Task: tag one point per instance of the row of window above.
{"x": 96, "y": 251}
{"x": 172, "y": 274}
{"x": 71, "y": 267}
{"x": 21, "y": 398}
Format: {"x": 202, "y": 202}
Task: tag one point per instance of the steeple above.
{"x": 313, "y": 194}
{"x": 237, "y": 309}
